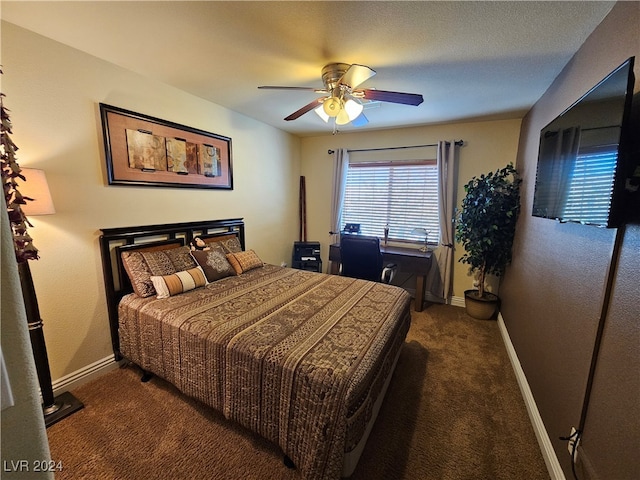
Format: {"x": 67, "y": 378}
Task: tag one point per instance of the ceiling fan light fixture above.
{"x": 350, "y": 111}
{"x": 341, "y": 100}
{"x": 332, "y": 106}
{"x": 342, "y": 118}
{"x": 353, "y": 109}
{"x": 321, "y": 113}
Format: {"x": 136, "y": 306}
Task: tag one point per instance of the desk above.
{"x": 409, "y": 260}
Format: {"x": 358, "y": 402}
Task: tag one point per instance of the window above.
{"x": 400, "y": 194}
{"x": 589, "y": 197}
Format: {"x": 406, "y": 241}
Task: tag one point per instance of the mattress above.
{"x": 298, "y": 357}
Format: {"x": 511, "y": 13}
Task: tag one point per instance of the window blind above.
{"x": 401, "y": 195}
{"x": 589, "y": 197}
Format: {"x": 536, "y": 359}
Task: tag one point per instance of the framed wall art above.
{"x": 147, "y": 151}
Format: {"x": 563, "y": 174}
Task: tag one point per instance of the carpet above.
{"x": 453, "y": 411}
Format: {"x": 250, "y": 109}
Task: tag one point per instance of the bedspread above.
{"x": 294, "y": 356}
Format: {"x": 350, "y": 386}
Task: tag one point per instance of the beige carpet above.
{"x": 453, "y": 412}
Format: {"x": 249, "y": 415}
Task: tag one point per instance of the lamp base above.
{"x": 64, "y": 405}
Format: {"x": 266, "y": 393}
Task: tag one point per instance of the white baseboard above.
{"x": 84, "y": 375}
{"x": 457, "y": 301}
{"x": 548, "y": 453}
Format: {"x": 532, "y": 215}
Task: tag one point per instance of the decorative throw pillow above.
{"x": 214, "y": 262}
{"x": 179, "y": 282}
{"x": 231, "y": 244}
{"x": 141, "y": 265}
{"x": 244, "y": 261}
{"x": 180, "y": 258}
{"x": 139, "y": 273}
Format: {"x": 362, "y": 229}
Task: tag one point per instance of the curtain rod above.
{"x": 458, "y": 143}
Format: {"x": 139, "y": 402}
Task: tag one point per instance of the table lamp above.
{"x": 422, "y": 231}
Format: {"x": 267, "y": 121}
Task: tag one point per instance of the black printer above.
{"x": 306, "y": 256}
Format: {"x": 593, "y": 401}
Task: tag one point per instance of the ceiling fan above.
{"x": 343, "y": 101}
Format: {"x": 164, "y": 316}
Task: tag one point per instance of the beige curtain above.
{"x": 447, "y": 153}
{"x": 340, "y": 169}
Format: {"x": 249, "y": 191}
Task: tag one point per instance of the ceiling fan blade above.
{"x": 392, "y": 97}
{"x": 356, "y": 74}
{"x": 307, "y": 108}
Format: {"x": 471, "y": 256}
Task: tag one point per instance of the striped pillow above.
{"x": 168, "y": 285}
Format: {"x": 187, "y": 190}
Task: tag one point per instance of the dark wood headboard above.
{"x": 115, "y": 240}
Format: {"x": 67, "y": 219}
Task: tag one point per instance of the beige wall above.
{"x": 53, "y": 93}
{"x": 488, "y": 146}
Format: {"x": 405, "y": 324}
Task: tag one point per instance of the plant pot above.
{"x": 482, "y": 308}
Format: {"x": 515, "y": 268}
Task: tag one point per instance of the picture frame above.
{"x": 141, "y": 150}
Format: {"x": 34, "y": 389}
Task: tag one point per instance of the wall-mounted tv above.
{"x": 586, "y": 173}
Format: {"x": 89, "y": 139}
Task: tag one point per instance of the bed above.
{"x": 301, "y": 358}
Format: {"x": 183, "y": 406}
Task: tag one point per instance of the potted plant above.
{"x": 485, "y": 227}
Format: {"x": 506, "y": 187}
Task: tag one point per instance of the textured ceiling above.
{"x": 470, "y": 60}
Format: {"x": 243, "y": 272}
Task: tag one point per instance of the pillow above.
{"x": 179, "y": 282}
{"x": 231, "y": 244}
{"x": 141, "y": 265}
{"x": 244, "y": 261}
{"x": 214, "y": 262}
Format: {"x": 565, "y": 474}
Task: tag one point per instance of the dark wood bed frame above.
{"x": 114, "y": 241}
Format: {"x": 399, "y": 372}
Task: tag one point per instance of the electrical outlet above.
{"x": 574, "y": 442}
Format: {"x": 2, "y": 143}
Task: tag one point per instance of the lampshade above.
{"x": 321, "y": 113}
{"x": 332, "y": 106}
{"x": 36, "y": 187}
{"x": 350, "y": 111}
{"x": 342, "y": 118}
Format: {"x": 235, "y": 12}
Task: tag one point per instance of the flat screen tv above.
{"x": 586, "y": 173}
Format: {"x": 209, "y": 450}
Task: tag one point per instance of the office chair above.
{"x": 361, "y": 258}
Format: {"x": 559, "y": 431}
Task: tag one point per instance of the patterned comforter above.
{"x": 297, "y": 357}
